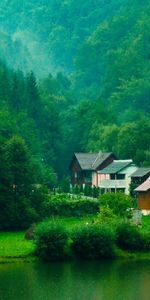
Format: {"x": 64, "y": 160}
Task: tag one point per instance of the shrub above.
{"x": 118, "y": 202}
{"x": 93, "y": 242}
{"x": 51, "y": 240}
{"x": 146, "y": 241}
{"x": 62, "y": 205}
{"x": 130, "y": 238}
{"x": 106, "y": 215}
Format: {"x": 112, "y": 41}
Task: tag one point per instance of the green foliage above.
{"x": 130, "y": 238}
{"x": 49, "y": 32}
{"x": 95, "y": 192}
{"x": 17, "y": 177}
{"x": 65, "y": 185}
{"x": 23, "y": 200}
{"x": 51, "y": 240}
{"x": 93, "y": 241}
{"x": 107, "y": 216}
{"x": 117, "y": 202}
{"x": 62, "y": 205}
{"x": 87, "y": 190}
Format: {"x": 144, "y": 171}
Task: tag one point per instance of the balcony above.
{"x": 114, "y": 184}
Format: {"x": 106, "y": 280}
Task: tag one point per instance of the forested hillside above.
{"x": 112, "y": 66}
{"x": 50, "y": 31}
{"x": 98, "y": 96}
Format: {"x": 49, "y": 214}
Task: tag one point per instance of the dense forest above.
{"x": 50, "y": 31}
{"x": 72, "y": 78}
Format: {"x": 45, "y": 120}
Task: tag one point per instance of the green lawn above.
{"x": 13, "y": 244}
{"x": 146, "y": 223}
{"x": 71, "y": 222}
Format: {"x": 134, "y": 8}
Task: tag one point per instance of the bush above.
{"x": 106, "y": 215}
{"x": 62, "y": 205}
{"x": 130, "y": 238}
{"x": 93, "y": 242}
{"x": 51, "y": 240}
{"x": 146, "y": 241}
{"x": 118, "y": 202}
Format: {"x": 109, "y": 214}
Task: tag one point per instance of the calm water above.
{"x": 75, "y": 281}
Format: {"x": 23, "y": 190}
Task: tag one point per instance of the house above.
{"x": 84, "y": 167}
{"x": 116, "y": 176}
{"x": 139, "y": 176}
{"x": 143, "y": 191}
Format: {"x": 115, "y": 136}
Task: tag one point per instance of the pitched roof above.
{"x": 145, "y": 186}
{"x": 141, "y": 172}
{"x": 90, "y": 161}
{"x": 116, "y": 166}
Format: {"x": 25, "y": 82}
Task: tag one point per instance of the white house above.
{"x": 116, "y": 176}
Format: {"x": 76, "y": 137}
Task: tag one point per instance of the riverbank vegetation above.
{"x": 83, "y": 236}
{"x": 91, "y": 240}
{"x": 109, "y": 232}
{"x": 19, "y": 211}
{"x": 77, "y": 227}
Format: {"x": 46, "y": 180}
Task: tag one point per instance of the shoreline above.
{"x": 16, "y": 259}
{"x": 123, "y": 255}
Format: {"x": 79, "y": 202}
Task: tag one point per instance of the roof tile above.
{"x": 140, "y": 172}
{"x": 116, "y": 166}
{"x": 90, "y": 161}
{"x": 145, "y": 186}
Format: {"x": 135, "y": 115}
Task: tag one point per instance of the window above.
{"x": 75, "y": 175}
{"x": 120, "y": 176}
{"x": 117, "y": 176}
{"x": 88, "y": 176}
{"x": 112, "y": 176}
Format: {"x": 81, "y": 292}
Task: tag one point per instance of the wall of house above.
{"x": 102, "y": 177}
{"x": 96, "y": 176}
{"x": 144, "y": 200}
{"x": 95, "y": 179}
{"x": 128, "y": 171}
{"x": 75, "y": 169}
{"x": 105, "y": 181}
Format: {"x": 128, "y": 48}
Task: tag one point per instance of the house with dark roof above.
{"x": 140, "y": 175}
{"x": 84, "y": 167}
{"x": 143, "y": 192}
{"x": 116, "y": 176}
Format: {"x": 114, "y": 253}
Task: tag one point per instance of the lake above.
{"x": 106, "y": 280}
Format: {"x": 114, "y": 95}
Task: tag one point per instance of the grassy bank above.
{"x": 13, "y": 245}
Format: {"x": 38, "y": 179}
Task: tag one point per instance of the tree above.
{"x": 33, "y": 97}
{"x": 17, "y": 179}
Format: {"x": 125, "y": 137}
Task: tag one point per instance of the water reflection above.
{"x": 112, "y": 280}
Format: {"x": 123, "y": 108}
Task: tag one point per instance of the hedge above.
{"x": 66, "y": 206}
